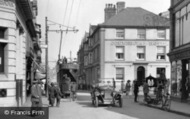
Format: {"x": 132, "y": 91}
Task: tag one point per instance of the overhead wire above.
{"x": 70, "y": 12}
{"x": 68, "y": 21}
{"x": 64, "y": 16}
{"x": 78, "y": 12}
{"x": 61, "y": 39}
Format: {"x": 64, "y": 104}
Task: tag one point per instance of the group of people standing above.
{"x": 161, "y": 88}
{"x": 54, "y": 94}
{"x": 135, "y": 88}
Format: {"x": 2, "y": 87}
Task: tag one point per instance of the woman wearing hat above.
{"x": 128, "y": 87}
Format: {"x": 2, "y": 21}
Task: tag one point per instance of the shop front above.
{"x": 180, "y": 74}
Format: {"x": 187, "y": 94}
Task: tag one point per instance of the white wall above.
{"x": 130, "y": 47}
{"x": 131, "y": 34}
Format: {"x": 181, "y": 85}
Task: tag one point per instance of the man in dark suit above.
{"x": 52, "y": 94}
{"x": 136, "y": 90}
{"x": 58, "y": 95}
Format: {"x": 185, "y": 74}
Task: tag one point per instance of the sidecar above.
{"x": 104, "y": 93}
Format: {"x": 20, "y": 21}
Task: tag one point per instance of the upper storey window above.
{"x": 120, "y": 33}
{"x": 161, "y": 33}
{"x": 141, "y": 33}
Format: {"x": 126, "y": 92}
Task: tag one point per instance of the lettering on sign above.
{"x": 7, "y": 3}
{"x": 140, "y": 43}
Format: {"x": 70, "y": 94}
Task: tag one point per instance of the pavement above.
{"x": 176, "y": 106}
{"x": 28, "y": 102}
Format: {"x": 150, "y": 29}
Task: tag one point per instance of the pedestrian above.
{"x": 73, "y": 90}
{"x": 128, "y": 87}
{"x": 52, "y": 94}
{"x": 145, "y": 90}
{"x": 136, "y": 90}
{"x": 36, "y": 94}
{"x": 58, "y": 95}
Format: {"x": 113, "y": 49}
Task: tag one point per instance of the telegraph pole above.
{"x": 46, "y": 39}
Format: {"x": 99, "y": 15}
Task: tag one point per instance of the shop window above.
{"x": 119, "y": 73}
{"x": 120, "y": 33}
{"x": 120, "y": 52}
{"x": 161, "y": 33}
{"x": 141, "y": 53}
{"x": 2, "y": 47}
{"x": 160, "y": 71}
{"x": 161, "y": 53}
{"x": 141, "y": 33}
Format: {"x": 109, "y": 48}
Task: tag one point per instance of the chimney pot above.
{"x": 109, "y": 11}
{"x": 120, "y": 6}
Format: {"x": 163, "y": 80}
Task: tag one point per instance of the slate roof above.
{"x": 137, "y": 16}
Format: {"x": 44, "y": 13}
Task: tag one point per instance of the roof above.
{"x": 91, "y": 29}
{"x": 136, "y": 16}
{"x": 27, "y": 8}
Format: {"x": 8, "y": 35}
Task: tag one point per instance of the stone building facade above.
{"x": 131, "y": 44}
{"x": 18, "y": 41}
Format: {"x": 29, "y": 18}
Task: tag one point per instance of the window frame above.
{"x": 140, "y": 33}
{"x": 160, "y": 34}
{"x": 159, "y": 72}
{"x": 121, "y": 75}
{"x": 161, "y": 54}
{"x": 2, "y": 32}
{"x": 120, "y": 33}
{"x": 141, "y": 53}
{"x": 2, "y": 62}
{"x": 116, "y": 56}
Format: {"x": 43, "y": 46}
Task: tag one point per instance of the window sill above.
{"x": 140, "y": 59}
{"x": 119, "y": 60}
{"x": 161, "y": 60}
{"x": 3, "y": 76}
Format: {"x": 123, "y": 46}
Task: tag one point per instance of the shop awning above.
{"x": 39, "y": 75}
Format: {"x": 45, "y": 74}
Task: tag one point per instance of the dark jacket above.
{"x": 136, "y": 88}
{"x": 58, "y": 93}
{"x": 52, "y": 92}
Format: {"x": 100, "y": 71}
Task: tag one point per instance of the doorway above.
{"x": 140, "y": 74}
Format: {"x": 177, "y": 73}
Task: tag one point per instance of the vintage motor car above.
{"x": 104, "y": 92}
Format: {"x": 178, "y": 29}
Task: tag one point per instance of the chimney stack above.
{"x": 110, "y": 11}
{"x": 120, "y": 6}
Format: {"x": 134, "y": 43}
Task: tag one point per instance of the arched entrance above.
{"x": 140, "y": 74}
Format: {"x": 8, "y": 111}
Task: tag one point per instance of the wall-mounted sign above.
{"x": 7, "y": 3}
{"x": 141, "y": 43}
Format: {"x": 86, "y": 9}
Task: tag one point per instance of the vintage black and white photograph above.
{"x": 94, "y": 59}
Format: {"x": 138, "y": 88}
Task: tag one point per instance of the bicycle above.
{"x": 166, "y": 102}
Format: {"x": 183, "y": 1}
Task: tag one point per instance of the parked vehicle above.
{"x": 104, "y": 93}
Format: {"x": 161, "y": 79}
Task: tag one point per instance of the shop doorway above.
{"x": 140, "y": 74}
{"x": 185, "y": 80}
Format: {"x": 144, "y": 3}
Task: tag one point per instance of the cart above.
{"x": 160, "y": 97}
{"x": 104, "y": 93}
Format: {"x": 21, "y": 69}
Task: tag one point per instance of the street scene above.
{"x": 103, "y": 59}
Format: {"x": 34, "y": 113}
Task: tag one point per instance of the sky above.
{"x": 80, "y": 14}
